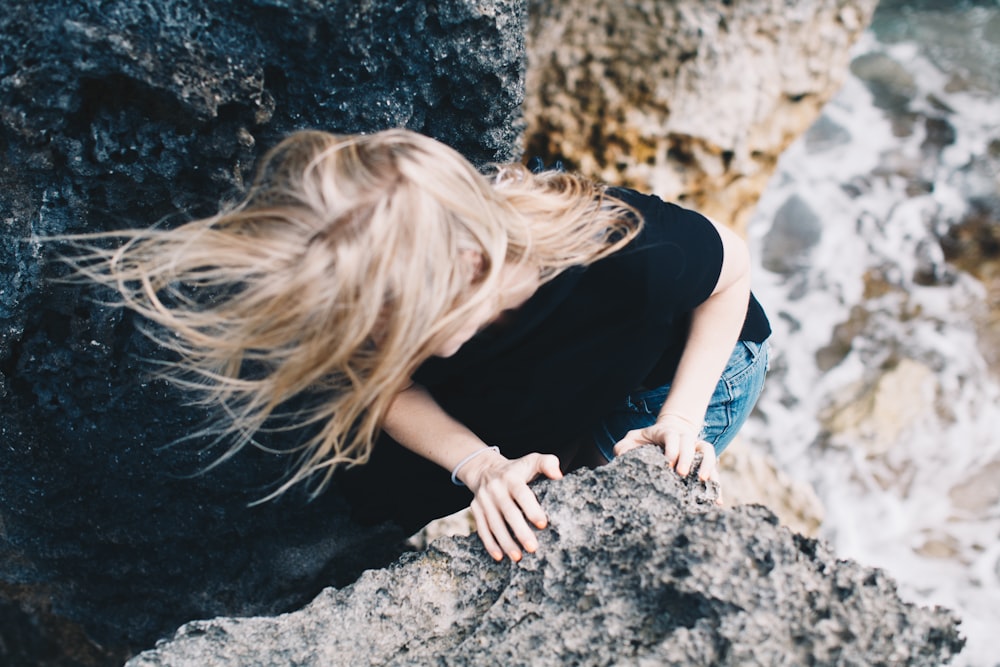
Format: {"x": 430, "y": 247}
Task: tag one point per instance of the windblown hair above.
{"x": 337, "y": 276}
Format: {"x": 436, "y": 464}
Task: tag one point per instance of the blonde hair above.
{"x": 337, "y": 276}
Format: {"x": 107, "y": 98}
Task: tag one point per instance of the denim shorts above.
{"x": 731, "y": 403}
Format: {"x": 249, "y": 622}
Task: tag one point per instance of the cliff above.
{"x": 127, "y": 112}
{"x": 123, "y": 113}
{"x": 692, "y": 100}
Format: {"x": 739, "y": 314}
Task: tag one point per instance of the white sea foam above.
{"x": 885, "y": 510}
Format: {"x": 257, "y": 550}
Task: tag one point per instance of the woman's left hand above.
{"x": 678, "y": 437}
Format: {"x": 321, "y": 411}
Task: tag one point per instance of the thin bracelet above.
{"x": 454, "y": 471}
{"x": 684, "y": 419}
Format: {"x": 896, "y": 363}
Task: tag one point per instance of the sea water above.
{"x": 848, "y": 235}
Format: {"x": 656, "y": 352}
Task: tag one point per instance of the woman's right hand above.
{"x": 504, "y": 504}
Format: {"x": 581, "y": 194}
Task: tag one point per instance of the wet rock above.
{"x": 750, "y": 476}
{"x": 825, "y": 134}
{"x": 120, "y": 113}
{"x": 961, "y": 38}
{"x": 843, "y": 335}
{"x": 891, "y": 84}
{"x": 941, "y": 546}
{"x": 795, "y": 231}
{"x": 876, "y": 413}
{"x": 972, "y": 244}
{"x": 637, "y": 567}
{"x": 980, "y": 492}
{"x": 938, "y": 135}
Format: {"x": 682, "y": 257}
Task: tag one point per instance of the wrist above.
{"x": 671, "y": 416}
{"x": 469, "y": 469}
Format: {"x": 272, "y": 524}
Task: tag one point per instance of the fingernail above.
{"x": 530, "y": 547}
{"x": 497, "y": 556}
{"x": 515, "y": 556}
{"x": 541, "y": 525}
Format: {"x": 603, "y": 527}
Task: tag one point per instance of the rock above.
{"x": 938, "y": 135}
{"x": 459, "y": 523}
{"x": 972, "y": 243}
{"x": 961, "y": 39}
{"x": 692, "y": 100}
{"x": 844, "y": 333}
{"x": 981, "y": 491}
{"x": 825, "y": 134}
{"x": 747, "y": 476}
{"x": 119, "y": 113}
{"x": 638, "y": 567}
{"x": 30, "y": 636}
{"x": 123, "y": 112}
{"x": 876, "y": 413}
{"x": 793, "y": 234}
{"x": 891, "y": 85}
{"x": 750, "y": 476}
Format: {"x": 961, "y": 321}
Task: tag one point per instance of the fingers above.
{"x": 549, "y": 466}
{"x": 529, "y": 507}
{"x": 504, "y": 505}
{"x": 483, "y": 530}
{"x": 678, "y": 448}
{"x": 491, "y": 525}
{"x": 708, "y": 470}
{"x": 632, "y": 439}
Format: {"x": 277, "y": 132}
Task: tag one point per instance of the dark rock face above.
{"x": 119, "y": 113}
{"x": 638, "y": 567}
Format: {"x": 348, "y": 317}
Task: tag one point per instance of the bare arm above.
{"x": 503, "y": 502}
{"x": 715, "y": 328}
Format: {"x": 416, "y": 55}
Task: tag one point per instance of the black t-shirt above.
{"x": 541, "y": 378}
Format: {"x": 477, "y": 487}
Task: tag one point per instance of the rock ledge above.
{"x": 637, "y": 567}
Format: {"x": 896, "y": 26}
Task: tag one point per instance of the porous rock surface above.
{"x": 691, "y": 99}
{"x": 637, "y": 567}
{"x": 116, "y": 113}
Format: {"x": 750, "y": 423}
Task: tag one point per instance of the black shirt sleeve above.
{"x": 682, "y": 249}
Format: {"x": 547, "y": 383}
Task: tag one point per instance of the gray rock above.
{"x": 638, "y": 567}
{"x": 825, "y": 134}
{"x": 961, "y": 37}
{"x": 794, "y": 233}
{"x": 119, "y": 113}
{"x": 891, "y": 85}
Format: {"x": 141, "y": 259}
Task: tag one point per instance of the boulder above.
{"x": 750, "y": 475}
{"x": 877, "y": 413}
{"x": 125, "y": 112}
{"x": 637, "y": 567}
{"x": 690, "y": 99}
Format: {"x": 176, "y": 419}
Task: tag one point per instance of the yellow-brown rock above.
{"x": 750, "y": 475}
{"x": 693, "y": 100}
{"x": 877, "y": 413}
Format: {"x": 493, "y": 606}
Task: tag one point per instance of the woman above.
{"x": 395, "y": 308}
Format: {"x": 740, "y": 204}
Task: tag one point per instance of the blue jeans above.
{"x": 731, "y": 403}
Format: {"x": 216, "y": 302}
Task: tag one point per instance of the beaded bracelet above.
{"x": 458, "y": 466}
